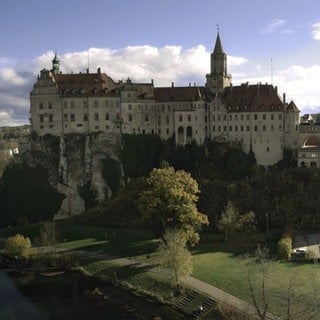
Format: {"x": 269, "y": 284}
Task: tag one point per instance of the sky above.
{"x": 273, "y": 41}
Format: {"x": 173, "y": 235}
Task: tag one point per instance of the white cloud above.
{"x": 142, "y": 63}
{"x": 274, "y": 25}
{"x": 316, "y": 31}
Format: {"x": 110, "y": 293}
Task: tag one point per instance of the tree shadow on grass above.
{"x": 124, "y": 272}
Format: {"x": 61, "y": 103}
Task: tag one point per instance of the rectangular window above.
{"x": 85, "y": 104}
{"x": 50, "y": 117}
{"x": 242, "y": 117}
{"x": 236, "y": 128}
{"x": 167, "y": 131}
{"x": 230, "y": 128}
{"x": 272, "y": 116}
{"x": 95, "y": 104}
{"x": 167, "y": 119}
{"x": 72, "y": 117}
{"x": 241, "y": 128}
{"x": 255, "y": 116}
{"x": 96, "y": 116}
{"x": 219, "y": 117}
{"x": 130, "y": 107}
{"x": 255, "y": 128}
{"x": 248, "y": 128}
{"x": 130, "y": 117}
{"x": 264, "y": 117}
{"x": 107, "y": 117}
{"x": 118, "y": 116}
{"x": 272, "y": 127}
{"x": 264, "y": 128}
{"x": 65, "y": 117}
{"x": 230, "y": 116}
{"x": 65, "y": 104}
{"x": 72, "y": 104}
{"x": 213, "y": 118}
{"x": 49, "y": 105}
{"x": 41, "y": 118}
{"x": 146, "y": 118}
{"x": 189, "y": 117}
{"x": 85, "y": 117}
{"x": 236, "y": 117}
{"x": 248, "y": 116}
{"x": 180, "y": 117}
{"x": 40, "y": 105}
{"x": 280, "y": 116}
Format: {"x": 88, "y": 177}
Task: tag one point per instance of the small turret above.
{"x": 55, "y": 64}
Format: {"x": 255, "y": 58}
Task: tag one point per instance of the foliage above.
{"x": 169, "y": 201}
{"x": 17, "y": 246}
{"x": 112, "y": 174}
{"x": 121, "y": 210}
{"x": 89, "y": 194}
{"x": 48, "y": 233}
{"x": 25, "y": 192}
{"x": 139, "y": 154}
{"x": 232, "y": 221}
{"x": 174, "y": 256}
{"x": 284, "y": 248}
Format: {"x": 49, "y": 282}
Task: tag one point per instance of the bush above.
{"x": 17, "y": 246}
{"x": 284, "y": 248}
{"x": 48, "y": 234}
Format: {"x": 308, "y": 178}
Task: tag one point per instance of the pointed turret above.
{"x": 218, "y": 78}
{"x": 218, "y": 46}
{"x": 55, "y": 64}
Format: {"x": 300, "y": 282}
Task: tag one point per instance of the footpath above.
{"x": 214, "y": 293}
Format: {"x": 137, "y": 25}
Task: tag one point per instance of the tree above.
{"x": 25, "y": 192}
{"x": 174, "y": 256}
{"x": 169, "y": 201}
{"x": 17, "y": 246}
{"x": 232, "y": 221}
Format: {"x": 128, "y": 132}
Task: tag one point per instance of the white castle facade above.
{"x": 254, "y": 116}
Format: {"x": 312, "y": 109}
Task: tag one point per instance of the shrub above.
{"x": 17, "y": 246}
{"x": 48, "y": 234}
{"x": 284, "y": 248}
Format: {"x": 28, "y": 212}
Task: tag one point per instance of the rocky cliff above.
{"x": 74, "y": 160}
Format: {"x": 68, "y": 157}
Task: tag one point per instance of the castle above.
{"x": 254, "y": 116}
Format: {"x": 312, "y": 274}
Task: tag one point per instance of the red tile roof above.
{"x": 84, "y": 83}
{"x": 179, "y": 93}
{"x": 246, "y": 98}
{"x": 312, "y": 141}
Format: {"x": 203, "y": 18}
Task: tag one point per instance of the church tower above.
{"x": 218, "y": 78}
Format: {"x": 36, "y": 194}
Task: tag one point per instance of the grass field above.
{"x": 217, "y": 263}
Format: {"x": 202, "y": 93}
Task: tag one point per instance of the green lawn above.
{"x": 217, "y": 263}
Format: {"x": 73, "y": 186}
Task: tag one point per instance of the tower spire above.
{"x": 218, "y": 78}
{"x": 55, "y": 63}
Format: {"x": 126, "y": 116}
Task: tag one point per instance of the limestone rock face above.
{"x": 72, "y": 204}
{"x": 74, "y": 160}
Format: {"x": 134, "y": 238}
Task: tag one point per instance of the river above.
{"x": 32, "y": 296}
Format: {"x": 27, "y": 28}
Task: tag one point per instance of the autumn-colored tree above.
{"x": 232, "y": 221}
{"x": 169, "y": 201}
{"x": 174, "y": 256}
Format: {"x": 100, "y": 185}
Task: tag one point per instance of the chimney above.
{"x": 99, "y": 70}
{"x": 152, "y": 82}
{"x": 284, "y": 98}
{"x": 172, "y": 84}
